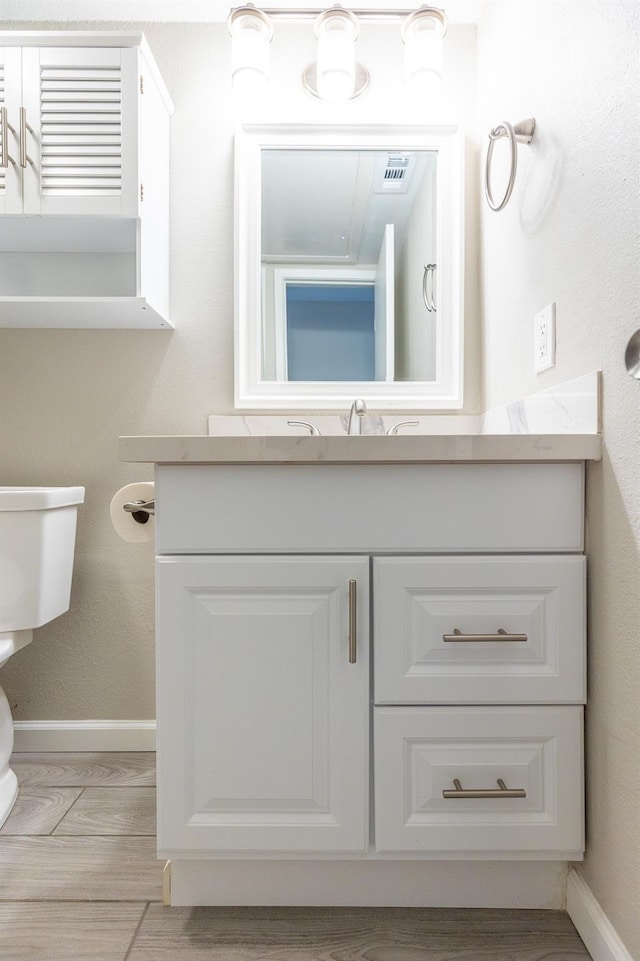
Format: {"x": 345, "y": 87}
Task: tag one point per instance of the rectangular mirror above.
{"x": 348, "y": 280}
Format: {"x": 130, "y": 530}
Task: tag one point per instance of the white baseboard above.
{"x": 45, "y": 736}
{"x": 592, "y": 924}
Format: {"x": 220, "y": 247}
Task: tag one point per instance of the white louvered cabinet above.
{"x": 84, "y": 182}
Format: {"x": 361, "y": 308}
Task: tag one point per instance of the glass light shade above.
{"x": 423, "y": 33}
{"x": 251, "y": 34}
{"x": 336, "y": 30}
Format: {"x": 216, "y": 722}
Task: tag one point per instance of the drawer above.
{"x": 369, "y": 508}
{"x": 535, "y": 752}
{"x": 479, "y": 630}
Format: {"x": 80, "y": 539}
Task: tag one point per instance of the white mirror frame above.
{"x": 442, "y": 393}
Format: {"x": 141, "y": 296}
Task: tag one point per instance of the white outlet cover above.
{"x": 544, "y": 339}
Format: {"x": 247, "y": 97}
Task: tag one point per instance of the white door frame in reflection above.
{"x": 444, "y": 391}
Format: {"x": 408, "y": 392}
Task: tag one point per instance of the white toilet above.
{"x": 37, "y": 540}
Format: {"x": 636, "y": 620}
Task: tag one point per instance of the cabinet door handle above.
{"x": 24, "y": 126}
{"x": 353, "y": 625}
{"x": 500, "y": 635}
{"x": 502, "y": 791}
{"x": 23, "y": 137}
{"x": 4, "y": 131}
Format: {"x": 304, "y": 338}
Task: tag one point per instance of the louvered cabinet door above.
{"x": 10, "y": 101}
{"x": 81, "y": 110}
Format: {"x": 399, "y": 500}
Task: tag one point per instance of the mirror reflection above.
{"x": 348, "y": 259}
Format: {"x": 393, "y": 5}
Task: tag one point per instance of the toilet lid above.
{"x": 39, "y": 498}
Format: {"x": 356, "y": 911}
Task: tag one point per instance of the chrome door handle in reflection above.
{"x": 353, "y": 626}
{"x": 500, "y": 635}
{"x": 428, "y": 289}
{"x": 502, "y": 791}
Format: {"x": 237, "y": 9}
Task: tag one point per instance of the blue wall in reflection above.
{"x": 330, "y": 332}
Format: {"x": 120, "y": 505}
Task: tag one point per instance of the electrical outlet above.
{"x": 544, "y": 339}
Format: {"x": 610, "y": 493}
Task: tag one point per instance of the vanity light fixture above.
{"x": 423, "y": 34}
{"x": 251, "y": 33}
{"x": 335, "y": 76}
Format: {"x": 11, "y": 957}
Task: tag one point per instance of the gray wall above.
{"x": 571, "y": 235}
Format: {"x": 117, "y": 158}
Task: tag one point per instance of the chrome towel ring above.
{"x": 428, "y": 289}
{"x": 521, "y": 132}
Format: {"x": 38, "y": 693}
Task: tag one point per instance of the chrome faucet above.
{"x": 358, "y": 410}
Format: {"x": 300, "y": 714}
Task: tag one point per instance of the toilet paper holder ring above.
{"x": 141, "y": 511}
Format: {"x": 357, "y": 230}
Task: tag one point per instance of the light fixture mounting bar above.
{"x": 307, "y": 13}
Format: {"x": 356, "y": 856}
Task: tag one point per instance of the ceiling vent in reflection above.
{"x": 394, "y": 173}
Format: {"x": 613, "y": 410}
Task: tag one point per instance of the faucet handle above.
{"x": 405, "y": 423}
{"x": 303, "y": 423}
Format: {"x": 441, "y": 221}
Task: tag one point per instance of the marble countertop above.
{"x": 366, "y": 449}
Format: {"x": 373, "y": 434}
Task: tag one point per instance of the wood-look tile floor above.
{"x": 79, "y": 881}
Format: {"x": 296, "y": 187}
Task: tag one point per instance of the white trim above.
{"x": 102, "y": 735}
{"x": 251, "y": 391}
{"x": 592, "y": 924}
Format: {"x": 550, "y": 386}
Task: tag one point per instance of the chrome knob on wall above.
{"x": 632, "y": 355}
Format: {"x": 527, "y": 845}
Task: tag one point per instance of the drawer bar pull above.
{"x": 352, "y": 622}
{"x": 502, "y": 791}
{"x": 500, "y": 635}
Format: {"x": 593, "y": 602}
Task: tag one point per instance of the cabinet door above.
{"x": 10, "y": 101}
{"x": 262, "y": 718}
{"x": 81, "y": 112}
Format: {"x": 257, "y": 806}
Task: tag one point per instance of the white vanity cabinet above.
{"x": 84, "y": 181}
{"x": 475, "y": 577}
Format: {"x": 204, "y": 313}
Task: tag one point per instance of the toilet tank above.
{"x": 37, "y": 542}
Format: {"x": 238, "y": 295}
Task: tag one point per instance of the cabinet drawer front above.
{"x": 369, "y": 508}
{"x": 439, "y": 623}
{"x": 422, "y": 752}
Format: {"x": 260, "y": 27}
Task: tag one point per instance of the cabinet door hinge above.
{"x": 141, "y": 192}
{"x": 141, "y": 84}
